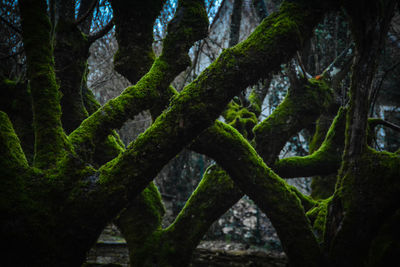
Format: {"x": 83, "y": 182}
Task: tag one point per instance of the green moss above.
{"x": 241, "y": 119}
{"x": 302, "y": 105}
{"x": 12, "y": 156}
{"x": 50, "y": 139}
{"x": 367, "y": 192}
{"x": 326, "y": 160}
{"x": 317, "y": 216}
{"x": 71, "y": 52}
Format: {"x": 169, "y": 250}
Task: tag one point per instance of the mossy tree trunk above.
{"x": 53, "y": 209}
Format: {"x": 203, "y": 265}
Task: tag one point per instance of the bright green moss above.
{"x": 241, "y": 119}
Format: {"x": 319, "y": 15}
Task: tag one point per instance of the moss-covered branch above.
{"x": 138, "y": 222}
{"x": 303, "y": 104}
{"x": 325, "y": 160}
{"x": 188, "y": 25}
{"x": 215, "y": 194}
{"x": 267, "y": 189}
{"x": 50, "y": 139}
{"x": 12, "y": 158}
{"x": 204, "y": 99}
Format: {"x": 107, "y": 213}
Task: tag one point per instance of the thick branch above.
{"x": 236, "y": 19}
{"x": 199, "y": 104}
{"x": 148, "y": 90}
{"x": 134, "y": 22}
{"x": 304, "y": 103}
{"x": 70, "y": 54}
{"x": 268, "y": 190}
{"x": 50, "y": 139}
{"x": 326, "y": 160}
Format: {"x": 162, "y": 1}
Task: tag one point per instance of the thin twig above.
{"x": 377, "y": 121}
{"x": 88, "y": 12}
{"x": 102, "y": 32}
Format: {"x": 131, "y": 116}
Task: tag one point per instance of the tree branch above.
{"x": 199, "y": 104}
{"x": 50, "y": 139}
{"x": 267, "y": 189}
{"x": 326, "y": 160}
{"x": 303, "y": 104}
{"x": 373, "y": 122}
{"x": 99, "y": 34}
{"x": 148, "y": 90}
{"x": 11, "y": 157}
{"x": 88, "y": 12}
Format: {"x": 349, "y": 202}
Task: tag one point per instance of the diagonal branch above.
{"x": 267, "y": 189}
{"x": 148, "y": 90}
{"x": 88, "y": 12}
{"x": 11, "y": 157}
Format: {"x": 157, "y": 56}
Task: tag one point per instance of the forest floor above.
{"x": 207, "y": 254}
{"x": 111, "y": 250}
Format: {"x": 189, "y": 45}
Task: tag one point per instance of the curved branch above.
{"x": 303, "y": 104}
{"x": 88, "y": 12}
{"x": 99, "y": 34}
{"x": 326, "y": 160}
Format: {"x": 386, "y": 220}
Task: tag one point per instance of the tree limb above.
{"x": 325, "y": 160}
{"x": 50, "y": 139}
{"x": 267, "y": 189}
{"x": 147, "y": 91}
{"x": 88, "y": 12}
{"x": 11, "y": 157}
{"x": 99, "y": 34}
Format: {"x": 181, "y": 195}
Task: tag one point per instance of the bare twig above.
{"x": 102, "y": 32}
{"x": 88, "y": 12}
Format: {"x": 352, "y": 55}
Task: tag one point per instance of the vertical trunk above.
{"x": 364, "y": 197}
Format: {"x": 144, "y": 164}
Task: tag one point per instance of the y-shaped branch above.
{"x": 50, "y": 139}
